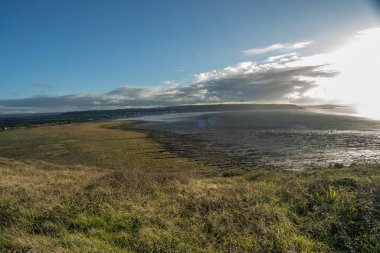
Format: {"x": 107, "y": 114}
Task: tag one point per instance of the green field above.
{"x": 91, "y": 188}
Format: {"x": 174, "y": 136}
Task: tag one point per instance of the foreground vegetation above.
{"x": 139, "y": 198}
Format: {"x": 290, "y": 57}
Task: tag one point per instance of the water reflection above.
{"x": 285, "y": 138}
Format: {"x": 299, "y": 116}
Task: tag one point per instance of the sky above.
{"x": 65, "y": 55}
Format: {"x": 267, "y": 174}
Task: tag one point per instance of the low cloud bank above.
{"x": 244, "y": 82}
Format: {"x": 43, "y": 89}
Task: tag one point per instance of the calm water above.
{"x": 290, "y": 139}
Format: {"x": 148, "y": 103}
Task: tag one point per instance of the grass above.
{"x": 146, "y": 200}
{"x": 94, "y": 144}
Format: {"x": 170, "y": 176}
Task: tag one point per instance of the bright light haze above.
{"x": 58, "y": 55}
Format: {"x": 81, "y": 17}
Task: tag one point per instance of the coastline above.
{"x": 224, "y": 156}
{"x": 194, "y": 148}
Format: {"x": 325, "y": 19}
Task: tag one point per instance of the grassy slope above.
{"x": 129, "y": 195}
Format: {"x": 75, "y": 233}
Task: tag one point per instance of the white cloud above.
{"x": 301, "y": 44}
{"x": 238, "y": 69}
{"x": 288, "y": 56}
{"x": 277, "y": 47}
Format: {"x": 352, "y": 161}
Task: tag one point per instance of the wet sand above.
{"x": 283, "y": 139}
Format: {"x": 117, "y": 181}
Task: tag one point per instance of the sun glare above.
{"x": 358, "y": 81}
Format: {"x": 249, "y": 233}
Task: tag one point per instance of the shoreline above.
{"x": 193, "y": 147}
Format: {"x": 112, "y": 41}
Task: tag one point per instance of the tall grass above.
{"x": 48, "y": 208}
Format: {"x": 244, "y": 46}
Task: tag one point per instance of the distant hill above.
{"x": 83, "y": 116}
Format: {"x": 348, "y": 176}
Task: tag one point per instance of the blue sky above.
{"x": 51, "y": 48}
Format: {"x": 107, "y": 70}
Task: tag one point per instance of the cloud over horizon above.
{"x": 243, "y": 82}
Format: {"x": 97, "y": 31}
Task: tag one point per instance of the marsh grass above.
{"x": 94, "y": 145}
{"x": 63, "y": 207}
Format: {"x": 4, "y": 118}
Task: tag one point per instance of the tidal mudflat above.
{"x": 289, "y": 139}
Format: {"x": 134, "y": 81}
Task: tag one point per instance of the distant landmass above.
{"x": 84, "y": 116}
